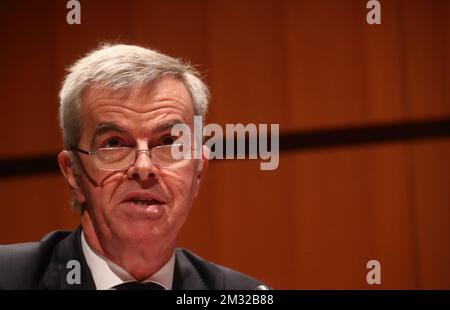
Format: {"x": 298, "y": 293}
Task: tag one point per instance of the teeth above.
{"x": 145, "y": 202}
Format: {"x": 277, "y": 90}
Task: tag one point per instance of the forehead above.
{"x": 163, "y": 90}
{"x": 167, "y": 97}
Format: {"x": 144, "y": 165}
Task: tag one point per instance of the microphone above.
{"x": 263, "y": 287}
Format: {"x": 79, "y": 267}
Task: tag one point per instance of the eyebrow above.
{"x": 166, "y": 125}
{"x": 104, "y": 128}
{"x": 109, "y": 126}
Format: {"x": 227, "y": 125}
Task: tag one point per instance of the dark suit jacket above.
{"x": 42, "y": 265}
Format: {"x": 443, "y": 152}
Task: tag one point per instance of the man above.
{"x": 118, "y": 105}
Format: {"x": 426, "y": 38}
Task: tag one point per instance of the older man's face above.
{"x": 143, "y": 203}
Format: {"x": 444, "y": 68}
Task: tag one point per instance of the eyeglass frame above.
{"x": 136, "y": 152}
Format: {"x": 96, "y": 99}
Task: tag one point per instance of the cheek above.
{"x": 101, "y": 196}
{"x": 180, "y": 182}
{"x": 96, "y": 201}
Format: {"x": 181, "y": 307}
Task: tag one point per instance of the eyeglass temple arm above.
{"x": 82, "y": 151}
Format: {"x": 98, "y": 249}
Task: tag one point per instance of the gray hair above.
{"x": 117, "y": 67}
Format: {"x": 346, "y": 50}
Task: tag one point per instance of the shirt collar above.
{"x": 107, "y": 274}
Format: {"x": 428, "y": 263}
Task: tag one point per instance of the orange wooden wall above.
{"x": 315, "y": 221}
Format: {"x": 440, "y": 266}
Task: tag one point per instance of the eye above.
{"x": 168, "y": 140}
{"x": 112, "y": 142}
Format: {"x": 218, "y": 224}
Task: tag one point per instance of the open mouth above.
{"x": 145, "y": 205}
{"x": 145, "y": 202}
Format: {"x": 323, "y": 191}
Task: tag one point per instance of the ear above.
{"x": 69, "y": 172}
{"x": 202, "y": 165}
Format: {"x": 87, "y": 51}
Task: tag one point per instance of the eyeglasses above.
{"x": 122, "y": 158}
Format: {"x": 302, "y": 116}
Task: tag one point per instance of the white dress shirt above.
{"x": 107, "y": 274}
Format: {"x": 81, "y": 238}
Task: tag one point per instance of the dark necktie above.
{"x": 139, "y": 286}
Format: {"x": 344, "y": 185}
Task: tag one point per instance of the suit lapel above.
{"x": 186, "y": 276}
{"x": 69, "y": 249}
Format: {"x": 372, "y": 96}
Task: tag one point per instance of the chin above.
{"x": 142, "y": 231}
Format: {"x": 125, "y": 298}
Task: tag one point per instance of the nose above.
{"x": 143, "y": 168}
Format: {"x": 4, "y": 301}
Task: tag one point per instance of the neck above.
{"x": 139, "y": 259}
